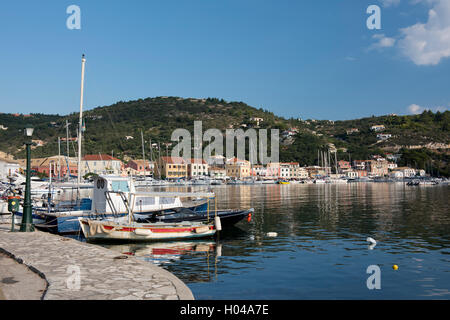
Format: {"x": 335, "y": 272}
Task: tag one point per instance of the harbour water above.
{"x": 320, "y": 249}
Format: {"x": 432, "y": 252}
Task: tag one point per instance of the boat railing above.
{"x": 132, "y": 195}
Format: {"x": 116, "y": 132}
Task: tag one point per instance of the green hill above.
{"x": 107, "y": 128}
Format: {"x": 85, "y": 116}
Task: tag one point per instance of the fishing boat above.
{"x": 128, "y": 229}
{"x": 227, "y": 217}
{"x": 133, "y": 231}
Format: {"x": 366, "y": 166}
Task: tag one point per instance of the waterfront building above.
{"x": 273, "y": 170}
{"x": 173, "y": 167}
{"x": 197, "y": 168}
{"x": 359, "y": 164}
{"x": 59, "y": 165}
{"x": 139, "y": 167}
{"x": 407, "y": 171}
{"x": 8, "y": 168}
{"x": 343, "y": 166}
{"x": 258, "y": 171}
{"x": 396, "y": 174}
{"x": 216, "y": 161}
{"x": 377, "y": 168}
{"x": 237, "y": 168}
{"x": 291, "y": 170}
{"x": 316, "y": 171}
{"x": 217, "y": 172}
{"x": 285, "y": 170}
{"x": 101, "y": 164}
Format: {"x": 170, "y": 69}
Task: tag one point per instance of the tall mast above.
{"x": 335, "y": 161}
{"x": 59, "y": 159}
{"x": 83, "y": 61}
{"x": 143, "y": 150}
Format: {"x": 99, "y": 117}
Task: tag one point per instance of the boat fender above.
{"x": 143, "y": 232}
{"x": 217, "y": 223}
{"x": 249, "y": 217}
{"x": 201, "y": 229}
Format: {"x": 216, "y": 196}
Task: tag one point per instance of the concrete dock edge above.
{"x": 76, "y": 270}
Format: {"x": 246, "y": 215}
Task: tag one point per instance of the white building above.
{"x": 197, "y": 168}
{"x": 378, "y": 127}
{"x": 8, "y": 168}
{"x": 285, "y": 170}
{"x": 259, "y": 171}
{"x": 101, "y": 164}
{"x": 407, "y": 171}
{"x": 396, "y": 174}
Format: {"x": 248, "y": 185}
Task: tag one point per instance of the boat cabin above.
{"x": 111, "y": 191}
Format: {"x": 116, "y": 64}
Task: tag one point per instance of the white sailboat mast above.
{"x": 83, "y": 60}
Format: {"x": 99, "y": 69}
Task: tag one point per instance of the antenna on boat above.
{"x": 83, "y": 61}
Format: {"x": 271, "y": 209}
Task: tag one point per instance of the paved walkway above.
{"x": 74, "y": 270}
{"x": 18, "y": 282}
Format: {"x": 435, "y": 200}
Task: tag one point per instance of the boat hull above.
{"x": 95, "y": 230}
{"x": 227, "y": 217}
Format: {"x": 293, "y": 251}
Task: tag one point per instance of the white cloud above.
{"x": 382, "y": 42}
{"x": 415, "y": 109}
{"x": 389, "y": 3}
{"x": 428, "y": 43}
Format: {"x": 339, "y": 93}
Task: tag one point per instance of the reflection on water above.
{"x": 321, "y": 250}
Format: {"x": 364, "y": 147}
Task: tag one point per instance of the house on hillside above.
{"x": 377, "y": 127}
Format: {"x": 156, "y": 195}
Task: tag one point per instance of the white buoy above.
{"x": 217, "y": 223}
{"x": 371, "y": 240}
{"x": 272, "y": 234}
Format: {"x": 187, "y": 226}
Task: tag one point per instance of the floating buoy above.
{"x": 249, "y": 217}
{"x": 395, "y": 267}
{"x": 272, "y": 234}
{"x": 371, "y": 240}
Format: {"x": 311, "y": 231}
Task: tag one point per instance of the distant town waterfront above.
{"x": 308, "y": 241}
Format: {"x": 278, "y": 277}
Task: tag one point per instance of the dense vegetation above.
{"x": 108, "y": 127}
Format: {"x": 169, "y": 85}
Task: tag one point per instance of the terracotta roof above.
{"x": 99, "y": 157}
{"x": 9, "y": 160}
{"x": 141, "y": 162}
{"x": 173, "y": 160}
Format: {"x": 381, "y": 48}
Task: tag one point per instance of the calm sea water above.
{"x": 320, "y": 251}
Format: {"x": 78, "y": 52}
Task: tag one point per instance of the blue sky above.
{"x": 308, "y": 59}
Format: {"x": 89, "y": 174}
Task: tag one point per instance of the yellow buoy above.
{"x": 395, "y": 267}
